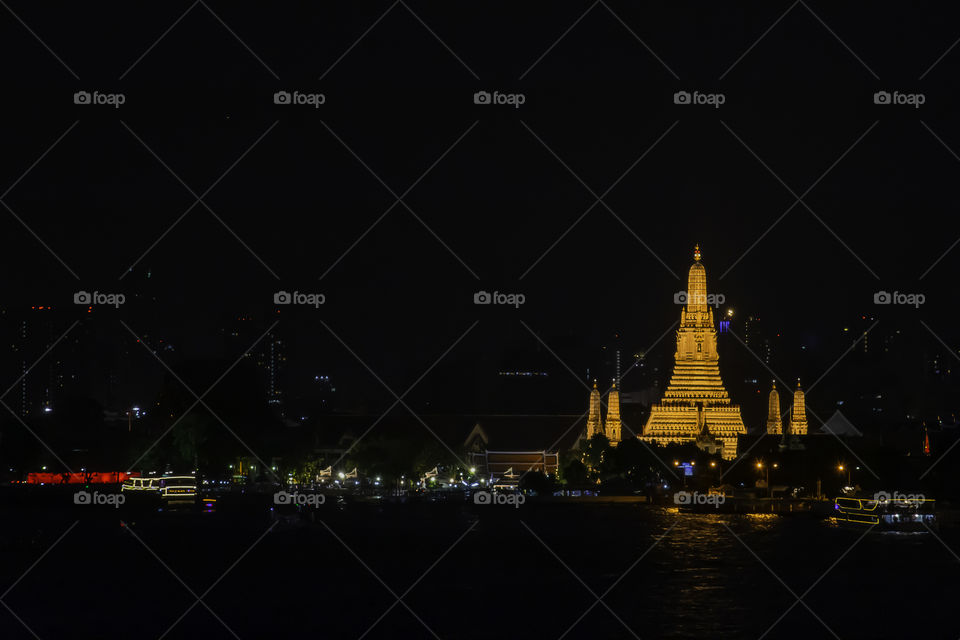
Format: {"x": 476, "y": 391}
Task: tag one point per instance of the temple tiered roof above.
{"x": 696, "y": 404}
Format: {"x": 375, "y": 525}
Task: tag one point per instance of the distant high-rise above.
{"x": 748, "y": 329}
{"x": 274, "y": 359}
{"x": 774, "y": 424}
{"x": 756, "y": 340}
{"x": 42, "y": 378}
{"x": 269, "y": 356}
{"x": 695, "y": 406}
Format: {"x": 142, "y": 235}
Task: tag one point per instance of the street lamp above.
{"x": 760, "y": 465}
{"x": 840, "y": 468}
{"x": 715, "y": 467}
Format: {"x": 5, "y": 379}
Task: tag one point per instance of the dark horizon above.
{"x": 496, "y": 199}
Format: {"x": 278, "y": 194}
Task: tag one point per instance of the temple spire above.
{"x": 697, "y": 309}
{"x": 695, "y": 395}
{"x": 774, "y": 424}
{"x": 798, "y": 416}
{"x": 594, "y": 420}
{"x": 613, "y": 415}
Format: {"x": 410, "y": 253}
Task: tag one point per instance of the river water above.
{"x": 456, "y": 571}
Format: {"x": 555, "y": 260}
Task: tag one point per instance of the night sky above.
{"x": 493, "y": 197}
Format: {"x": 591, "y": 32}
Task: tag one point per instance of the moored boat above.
{"x": 898, "y": 512}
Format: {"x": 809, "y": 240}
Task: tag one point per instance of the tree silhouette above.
{"x": 189, "y": 436}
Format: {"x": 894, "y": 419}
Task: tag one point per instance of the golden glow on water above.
{"x": 760, "y": 516}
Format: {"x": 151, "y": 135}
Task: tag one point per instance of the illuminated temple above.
{"x": 595, "y": 423}
{"x": 594, "y": 419}
{"x": 798, "y": 417}
{"x": 696, "y": 407}
{"x": 774, "y": 422}
{"x": 612, "y": 427}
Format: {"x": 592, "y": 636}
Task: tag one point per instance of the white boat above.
{"x": 898, "y": 512}
{"x": 178, "y": 488}
{"x": 169, "y": 488}
{"x": 140, "y": 485}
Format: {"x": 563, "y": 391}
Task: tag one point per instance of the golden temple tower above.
{"x": 594, "y": 421}
{"x": 774, "y": 424}
{"x": 695, "y": 395}
{"x": 798, "y": 417}
{"x": 613, "y": 416}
